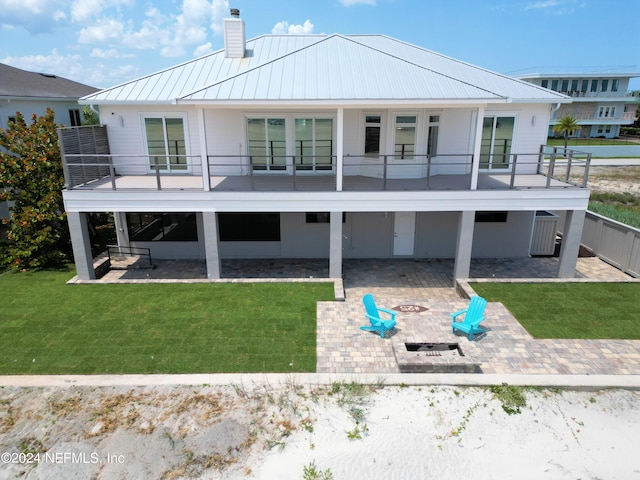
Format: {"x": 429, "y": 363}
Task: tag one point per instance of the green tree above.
{"x": 31, "y": 176}
{"x": 565, "y": 126}
{"x": 90, "y": 116}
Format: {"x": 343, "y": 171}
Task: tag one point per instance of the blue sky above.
{"x": 106, "y": 42}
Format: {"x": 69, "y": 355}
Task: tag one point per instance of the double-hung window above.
{"x": 166, "y": 144}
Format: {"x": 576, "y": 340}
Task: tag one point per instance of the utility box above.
{"x": 545, "y": 229}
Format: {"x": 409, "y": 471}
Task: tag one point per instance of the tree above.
{"x": 31, "y": 176}
{"x": 90, "y": 116}
{"x": 565, "y": 126}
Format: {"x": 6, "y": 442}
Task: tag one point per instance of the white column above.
{"x": 212, "y": 255}
{"x": 464, "y": 245}
{"x": 339, "y": 148}
{"x": 202, "y": 133}
{"x": 122, "y": 230}
{"x": 335, "y": 245}
{"x": 571, "y": 238}
{"x": 475, "y": 166}
{"x": 81, "y": 245}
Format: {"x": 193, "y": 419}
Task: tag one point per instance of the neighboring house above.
{"x": 319, "y": 146}
{"x": 600, "y": 100}
{"x": 32, "y": 93}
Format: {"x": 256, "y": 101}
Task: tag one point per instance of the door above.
{"x": 497, "y": 137}
{"x": 404, "y": 230}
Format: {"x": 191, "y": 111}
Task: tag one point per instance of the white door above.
{"x": 404, "y": 229}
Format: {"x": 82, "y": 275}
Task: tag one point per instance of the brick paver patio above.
{"x": 343, "y": 348}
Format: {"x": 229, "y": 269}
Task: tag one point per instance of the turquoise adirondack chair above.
{"x": 378, "y": 324}
{"x": 473, "y": 315}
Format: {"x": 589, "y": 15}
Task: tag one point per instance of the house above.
{"x": 32, "y": 93}
{"x": 320, "y": 146}
{"x": 600, "y": 100}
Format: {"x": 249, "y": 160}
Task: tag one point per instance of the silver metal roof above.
{"x": 325, "y": 68}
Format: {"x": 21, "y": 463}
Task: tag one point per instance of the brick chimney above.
{"x": 234, "y": 39}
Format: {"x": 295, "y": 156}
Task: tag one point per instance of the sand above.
{"x": 341, "y": 431}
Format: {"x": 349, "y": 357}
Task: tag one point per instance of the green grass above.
{"x": 570, "y": 310}
{"x": 574, "y": 142}
{"x": 47, "y": 327}
{"x": 622, "y": 207}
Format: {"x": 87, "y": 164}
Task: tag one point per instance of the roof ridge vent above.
{"x": 234, "y": 38}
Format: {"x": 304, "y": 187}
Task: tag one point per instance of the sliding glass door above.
{"x": 313, "y": 143}
{"x": 166, "y": 145}
{"x": 497, "y": 138}
{"x": 267, "y": 143}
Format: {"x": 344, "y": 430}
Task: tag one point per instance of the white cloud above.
{"x": 35, "y": 16}
{"x": 283, "y": 27}
{"x": 555, "y": 7}
{"x": 104, "y": 31}
{"x": 350, "y": 3}
{"x": 54, "y": 63}
{"x": 109, "y": 53}
{"x": 202, "y": 50}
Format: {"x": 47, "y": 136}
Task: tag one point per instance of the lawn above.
{"x": 47, "y": 327}
{"x": 570, "y": 310}
{"x": 576, "y": 142}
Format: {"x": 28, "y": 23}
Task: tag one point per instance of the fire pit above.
{"x": 432, "y": 357}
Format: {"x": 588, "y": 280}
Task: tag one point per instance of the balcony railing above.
{"x": 551, "y": 167}
{"x": 626, "y": 116}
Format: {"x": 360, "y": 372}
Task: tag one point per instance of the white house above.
{"x": 320, "y": 146}
{"x": 600, "y": 104}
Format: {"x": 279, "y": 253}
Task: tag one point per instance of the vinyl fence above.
{"x": 613, "y": 242}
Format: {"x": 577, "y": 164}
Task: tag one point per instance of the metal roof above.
{"x": 325, "y": 68}
{"x": 17, "y": 83}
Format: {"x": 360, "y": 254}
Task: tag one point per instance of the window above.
{"x": 602, "y": 129}
{"x": 405, "y": 137}
{"x": 554, "y": 85}
{"x": 606, "y": 112}
{"x": 574, "y": 85}
{"x": 266, "y": 140}
{"x": 544, "y": 83}
{"x": 565, "y": 86}
{"x": 584, "y": 86}
{"x": 594, "y": 85}
{"x": 486, "y": 217}
{"x": 321, "y": 217}
{"x": 432, "y": 139}
{"x": 166, "y": 144}
{"x": 74, "y": 117}
{"x": 615, "y": 84}
{"x": 249, "y": 227}
{"x": 605, "y": 85}
{"x": 162, "y": 227}
{"x": 372, "y": 135}
{"x": 313, "y": 143}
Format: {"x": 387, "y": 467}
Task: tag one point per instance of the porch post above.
{"x": 122, "y": 230}
{"x": 464, "y": 245}
{"x": 475, "y": 165}
{"x": 339, "y": 148}
{"x": 335, "y": 245}
{"x": 571, "y": 238}
{"x": 81, "y": 245}
{"x": 202, "y": 133}
{"x": 212, "y": 256}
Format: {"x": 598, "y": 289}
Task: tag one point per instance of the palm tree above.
{"x": 565, "y": 126}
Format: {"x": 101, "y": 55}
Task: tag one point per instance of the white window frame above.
{"x": 607, "y": 111}
{"x": 164, "y": 116}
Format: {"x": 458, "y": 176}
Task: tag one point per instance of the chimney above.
{"x": 234, "y": 42}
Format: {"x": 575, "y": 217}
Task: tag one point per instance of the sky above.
{"x": 103, "y": 43}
